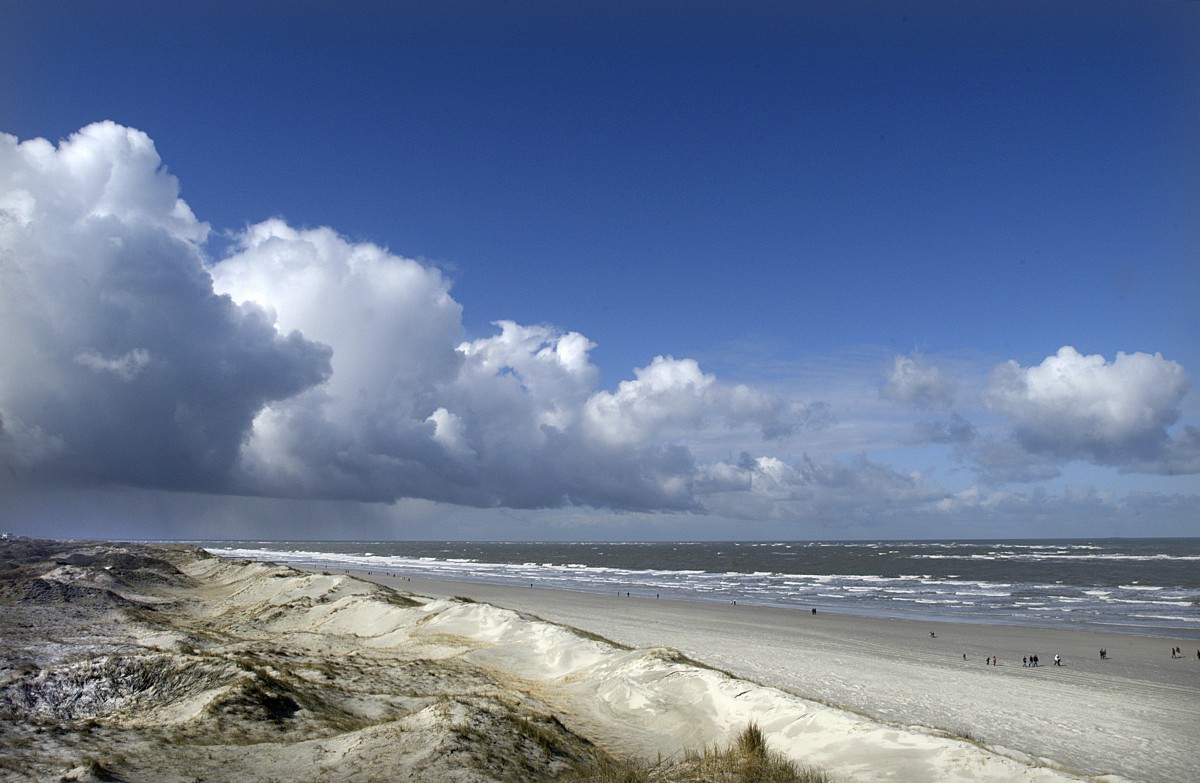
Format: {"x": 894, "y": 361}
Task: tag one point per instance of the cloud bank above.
{"x": 306, "y": 365}
{"x": 303, "y": 365}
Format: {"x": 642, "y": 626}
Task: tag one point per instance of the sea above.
{"x": 1148, "y": 586}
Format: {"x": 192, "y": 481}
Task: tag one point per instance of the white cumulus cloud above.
{"x": 305, "y": 365}
{"x": 412, "y": 410}
{"x": 1073, "y": 406}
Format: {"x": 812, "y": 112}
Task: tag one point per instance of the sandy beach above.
{"x": 152, "y": 663}
{"x": 1135, "y": 714}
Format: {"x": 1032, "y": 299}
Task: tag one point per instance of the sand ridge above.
{"x": 1135, "y": 713}
{"x": 169, "y": 664}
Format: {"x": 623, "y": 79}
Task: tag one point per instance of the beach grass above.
{"x": 747, "y": 759}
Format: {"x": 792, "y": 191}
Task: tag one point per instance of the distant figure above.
{"x": 987, "y": 661}
{"x": 1035, "y": 660}
{"x": 964, "y": 656}
{"x": 1024, "y": 662}
{"x": 1197, "y": 651}
{"x": 1057, "y": 660}
{"x": 932, "y": 635}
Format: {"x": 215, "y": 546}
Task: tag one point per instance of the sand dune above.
{"x": 1134, "y": 714}
{"x": 138, "y": 663}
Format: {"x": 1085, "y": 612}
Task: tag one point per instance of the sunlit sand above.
{"x": 165, "y": 664}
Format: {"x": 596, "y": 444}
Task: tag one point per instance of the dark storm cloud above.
{"x": 120, "y": 363}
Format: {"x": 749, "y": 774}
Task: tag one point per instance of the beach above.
{"x": 135, "y": 662}
{"x": 1135, "y": 713}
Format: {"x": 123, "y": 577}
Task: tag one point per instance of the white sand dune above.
{"x": 1135, "y": 714}
{"x": 210, "y": 669}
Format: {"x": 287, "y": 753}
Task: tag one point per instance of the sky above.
{"x": 599, "y": 270}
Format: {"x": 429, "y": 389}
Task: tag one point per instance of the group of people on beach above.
{"x": 1029, "y": 661}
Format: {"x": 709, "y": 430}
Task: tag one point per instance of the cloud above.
{"x": 956, "y": 431}
{"x": 830, "y": 491}
{"x": 1114, "y": 413}
{"x": 1076, "y": 512}
{"x": 1004, "y": 461}
{"x": 412, "y": 410}
{"x": 305, "y": 365}
{"x": 513, "y": 419}
{"x": 125, "y": 367}
{"x": 675, "y": 392}
{"x": 912, "y": 381}
{"x": 1181, "y": 455}
{"x": 119, "y": 362}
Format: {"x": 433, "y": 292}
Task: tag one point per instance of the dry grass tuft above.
{"x": 746, "y": 760}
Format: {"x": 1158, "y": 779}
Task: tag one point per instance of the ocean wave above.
{"x": 1059, "y": 556}
{"x": 1168, "y": 617}
{"x": 1040, "y": 593}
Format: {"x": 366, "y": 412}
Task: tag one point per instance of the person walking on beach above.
{"x": 1024, "y": 663}
{"x": 1057, "y": 660}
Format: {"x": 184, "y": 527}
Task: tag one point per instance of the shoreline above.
{"x": 1131, "y": 714}
{"x": 1167, "y": 635}
{"x": 980, "y": 595}
{"x": 165, "y": 663}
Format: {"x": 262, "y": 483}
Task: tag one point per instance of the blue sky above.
{"x": 787, "y": 270}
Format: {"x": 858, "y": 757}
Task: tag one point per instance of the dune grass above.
{"x": 746, "y": 760}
